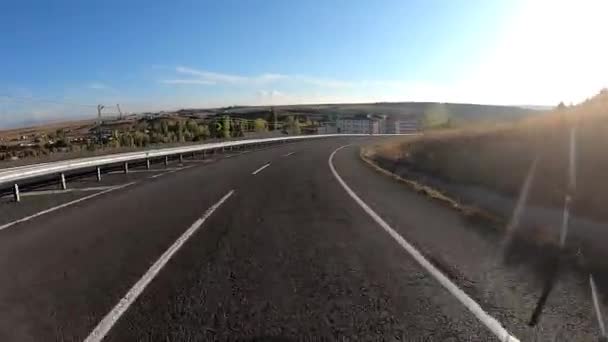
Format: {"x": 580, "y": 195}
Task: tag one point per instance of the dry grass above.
{"x": 498, "y": 157}
{"x": 78, "y": 126}
{"x": 471, "y": 212}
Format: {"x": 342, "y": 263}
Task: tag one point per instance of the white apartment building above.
{"x": 358, "y": 126}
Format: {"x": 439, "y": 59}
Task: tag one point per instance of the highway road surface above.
{"x": 262, "y": 245}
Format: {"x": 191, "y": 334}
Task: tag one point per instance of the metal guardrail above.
{"x": 11, "y": 177}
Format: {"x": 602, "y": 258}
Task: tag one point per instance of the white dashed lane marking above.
{"x": 260, "y": 169}
{"x": 46, "y": 211}
{"x": 59, "y": 192}
{"x": 122, "y": 306}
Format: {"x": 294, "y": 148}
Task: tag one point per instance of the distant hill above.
{"x": 458, "y": 113}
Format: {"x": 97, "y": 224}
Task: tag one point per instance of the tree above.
{"x": 60, "y": 133}
{"x": 192, "y": 127}
{"x": 141, "y": 139}
{"x": 142, "y": 126}
{"x": 188, "y": 136}
{"x": 181, "y": 129}
{"x": 115, "y": 142}
{"x": 214, "y": 130}
{"x": 203, "y": 133}
{"x": 226, "y": 127}
{"x": 260, "y": 125}
{"x": 274, "y": 118}
{"x": 561, "y": 106}
{"x": 171, "y": 137}
{"x": 126, "y": 140}
{"x": 62, "y": 143}
{"x": 91, "y": 146}
{"x": 156, "y": 138}
{"x": 292, "y": 126}
{"x": 164, "y": 127}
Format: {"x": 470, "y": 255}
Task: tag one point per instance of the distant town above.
{"x": 142, "y": 130}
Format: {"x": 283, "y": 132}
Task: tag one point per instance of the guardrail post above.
{"x": 166, "y": 161}
{"x": 147, "y": 164}
{"x": 64, "y": 186}
{"x": 16, "y": 194}
{"x": 181, "y": 158}
{"x": 98, "y": 174}
{"x": 203, "y": 154}
{"x": 126, "y": 167}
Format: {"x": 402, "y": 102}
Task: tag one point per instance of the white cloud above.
{"x": 187, "y": 81}
{"x": 299, "y": 88}
{"x": 272, "y": 97}
{"x": 324, "y": 82}
{"x": 211, "y": 78}
{"x": 205, "y": 77}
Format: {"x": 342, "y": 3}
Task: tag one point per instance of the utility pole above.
{"x": 274, "y": 117}
{"x": 99, "y": 108}
{"x": 119, "y": 112}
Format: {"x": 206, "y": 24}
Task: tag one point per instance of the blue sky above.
{"x": 59, "y": 58}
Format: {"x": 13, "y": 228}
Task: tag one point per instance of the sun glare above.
{"x": 550, "y": 51}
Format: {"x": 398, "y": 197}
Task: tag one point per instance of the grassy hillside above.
{"x": 498, "y": 157}
{"x": 481, "y": 171}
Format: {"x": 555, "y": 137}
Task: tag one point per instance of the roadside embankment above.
{"x": 481, "y": 171}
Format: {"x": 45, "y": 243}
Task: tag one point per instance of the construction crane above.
{"x": 99, "y": 108}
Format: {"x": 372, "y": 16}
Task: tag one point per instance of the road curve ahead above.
{"x": 257, "y": 245}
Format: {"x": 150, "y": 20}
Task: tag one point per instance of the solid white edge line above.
{"x": 59, "y": 192}
{"x": 171, "y": 171}
{"x": 162, "y": 174}
{"x": 196, "y": 161}
{"x": 260, "y": 169}
{"x": 144, "y": 171}
{"x": 114, "y": 315}
{"x": 235, "y": 154}
{"x": 490, "y": 322}
{"x": 46, "y": 211}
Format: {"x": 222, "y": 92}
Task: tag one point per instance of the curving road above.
{"x": 260, "y": 245}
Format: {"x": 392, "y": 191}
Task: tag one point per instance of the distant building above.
{"x": 402, "y": 126}
{"x": 327, "y": 129}
{"x": 358, "y": 126}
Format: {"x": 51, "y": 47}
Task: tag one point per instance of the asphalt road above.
{"x": 283, "y": 253}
